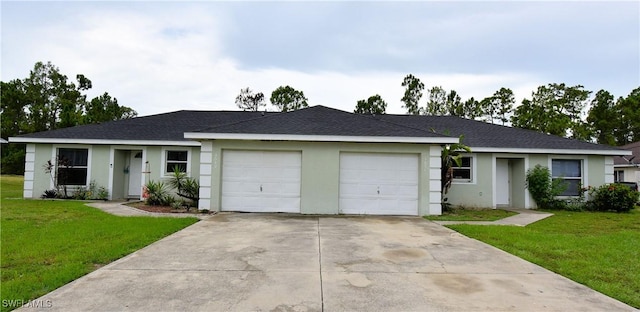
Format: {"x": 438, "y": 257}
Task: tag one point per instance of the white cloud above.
{"x": 157, "y": 58}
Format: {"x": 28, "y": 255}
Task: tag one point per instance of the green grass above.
{"x": 597, "y": 249}
{"x": 11, "y": 186}
{"x": 462, "y": 214}
{"x": 48, "y": 243}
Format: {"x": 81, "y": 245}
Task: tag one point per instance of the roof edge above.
{"x": 318, "y": 138}
{"x": 611, "y": 152}
{"x": 101, "y": 141}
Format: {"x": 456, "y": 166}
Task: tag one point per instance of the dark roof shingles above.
{"x": 316, "y": 120}
{"x": 481, "y": 134}
{"x": 161, "y": 127}
{"x": 320, "y": 120}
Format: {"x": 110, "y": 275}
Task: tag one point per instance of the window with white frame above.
{"x": 464, "y": 172}
{"x": 72, "y": 166}
{"x": 176, "y": 159}
{"x": 570, "y": 171}
{"x": 618, "y": 176}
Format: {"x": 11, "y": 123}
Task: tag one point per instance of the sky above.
{"x": 158, "y": 57}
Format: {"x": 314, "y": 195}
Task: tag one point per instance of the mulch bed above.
{"x": 161, "y": 209}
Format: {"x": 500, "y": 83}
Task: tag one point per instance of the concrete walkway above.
{"x": 120, "y": 209}
{"x": 523, "y": 218}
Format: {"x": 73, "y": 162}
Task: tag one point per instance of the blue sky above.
{"x": 163, "y": 56}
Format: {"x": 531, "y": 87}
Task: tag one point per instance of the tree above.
{"x": 471, "y": 109}
{"x": 603, "y": 118}
{"x": 373, "y": 105}
{"x": 104, "y": 108}
{"x": 13, "y": 104}
{"x": 628, "y": 110}
{"x": 553, "y": 109}
{"x": 454, "y": 105}
{"x": 497, "y": 106}
{"x": 47, "y": 90}
{"x": 504, "y": 101}
{"x": 412, "y": 94}
{"x": 288, "y": 99}
{"x": 45, "y": 100}
{"x": 248, "y": 101}
{"x": 436, "y": 104}
{"x": 14, "y": 118}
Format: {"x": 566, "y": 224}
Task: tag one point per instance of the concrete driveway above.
{"x": 262, "y": 262}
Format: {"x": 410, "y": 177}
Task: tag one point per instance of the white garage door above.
{"x": 381, "y": 184}
{"x": 261, "y": 181}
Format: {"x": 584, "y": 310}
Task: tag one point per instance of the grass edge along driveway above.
{"x": 46, "y": 244}
{"x": 597, "y": 249}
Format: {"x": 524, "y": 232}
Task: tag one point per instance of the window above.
{"x": 176, "y": 159}
{"x": 72, "y": 166}
{"x": 618, "y": 176}
{"x": 463, "y": 173}
{"x": 569, "y": 170}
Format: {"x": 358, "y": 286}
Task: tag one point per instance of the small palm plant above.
{"x": 187, "y": 187}
{"x": 156, "y": 193}
{"x": 451, "y": 157}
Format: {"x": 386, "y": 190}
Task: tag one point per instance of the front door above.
{"x": 135, "y": 174}
{"x": 503, "y": 185}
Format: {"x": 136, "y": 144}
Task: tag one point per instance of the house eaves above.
{"x": 611, "y": 152}
{"x": 100, "y": 141}
{"x": 318, "y": 138}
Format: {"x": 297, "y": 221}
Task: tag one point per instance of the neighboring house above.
{"x": 316, "y": 160}
{"x": 627, "y": 168}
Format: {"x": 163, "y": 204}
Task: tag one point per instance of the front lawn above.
{"x": 466, "y": 214}
{"x": 600, "y": 250}
{"x": 48, "y": 243}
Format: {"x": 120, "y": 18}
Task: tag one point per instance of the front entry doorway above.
{"x": 503, "y": 183}
{"x": 510, "y": 182}
{"x": 135, "y": 175}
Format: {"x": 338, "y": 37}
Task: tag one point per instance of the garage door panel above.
{"x": 261, "y": 181}
{"x": 374, "y": 183}
{"x": 357, "y": 205}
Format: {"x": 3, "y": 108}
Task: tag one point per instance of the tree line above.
{"x": 555, "y": 108}
{"x": 48, "y": 100}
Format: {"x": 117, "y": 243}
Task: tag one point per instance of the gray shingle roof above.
{"x": 317, "y": 120}
{"x": 320, "y": 120}
{"x": 481, "y": 134}
{"x": 635, "y": 157}
{"x": 161, "y": 127}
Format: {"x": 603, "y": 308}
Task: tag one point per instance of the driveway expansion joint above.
{"x": 320, "y": 265}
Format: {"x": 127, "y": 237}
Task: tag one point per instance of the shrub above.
{"x": 102, "y": 193}
{"x": 81, "y": 193}
{"x": 617, "y": 197}
{"x": 93, "y": 192}
{"x": 49, "y": 194}
{"x": 156, "y": 194}
{"x": 187, "y": 187}
{"x": 544, "y": 189}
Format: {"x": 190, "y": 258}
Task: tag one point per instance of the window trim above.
{"x": 54, "y": 157}
{"x": 583, "y": 172}
{"x": 163, "y": 162}
{"x": 473, "y": 169}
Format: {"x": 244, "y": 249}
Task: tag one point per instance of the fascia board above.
{"x": 101, "y": 141}
{"x": 549, "y": 151}
{"x": 318, "y": 138}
